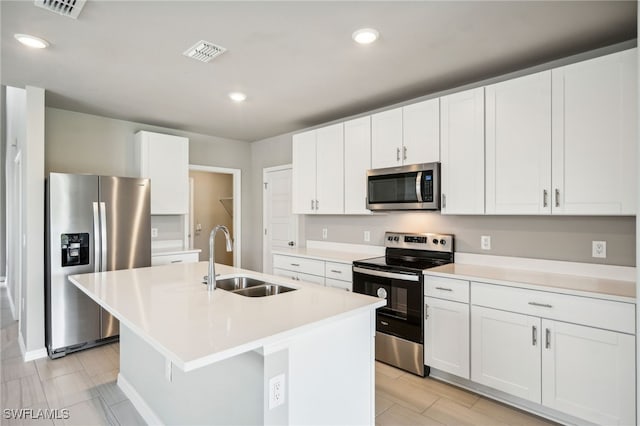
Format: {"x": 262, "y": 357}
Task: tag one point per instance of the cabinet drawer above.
{"x": 447, "y": 288}
{"x": 165, "y": 259}
{"x": 345, "y": 285}
{"x": 607, "y": 314}
{"x": 338, "y": 271}
{"x": 299, "y": 264}
{"x": 298, "y": 276}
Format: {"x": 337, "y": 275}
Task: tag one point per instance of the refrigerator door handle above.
{"x": 103, "y": 236}
{"x": 96, "y": 238}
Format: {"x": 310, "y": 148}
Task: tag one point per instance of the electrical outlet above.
{"x": 324, "y": 233}
{"x": 276, "y": 391}
{"x": 485, "y": 242}
{"x": 154, "y": 232}
{"x": 598, "y": 249}
{"x": 367, "y": 236}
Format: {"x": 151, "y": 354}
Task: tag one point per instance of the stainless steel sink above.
{"x": 250, "y": 287}
{"x": 264, "y": 290}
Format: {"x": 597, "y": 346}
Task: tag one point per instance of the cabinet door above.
{"x": 165, "y": 160}
{"x": 505, "y": 352}
{"x": 446, "y": 340}
{"x": 304, "y": 173}
{"x": 595, "y": 129}
{"x": 386, "y": 139}
{"x": 330, "y": 170}
{"x": 462, "y": 145}
{"x": 421, "y": 132}
{"x": 589, "y": 373}
{"x": 357, "y": 158}
{"x": 518, "y": 158}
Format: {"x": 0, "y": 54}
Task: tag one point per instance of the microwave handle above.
{"x": 419, "y": 187}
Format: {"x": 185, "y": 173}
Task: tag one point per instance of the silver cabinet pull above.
{"x": 311, "y": 204}
{"x": 557, "y": 197}
{"x": 542, "y": 305}
{"x": 404, "y": 152}
{"x": 397, "y": 154}
{"x": 534, "y": 335}
{"x": 443, "y": 289}
{"x": 317, "y": 204}
{"x": 444, "y": 201}
{"x": 545, "y": 198}
{"x": 176, "y": 261}
{"x": 547, "y": 343}
{"x": 335, "y": 271}
{"x": 426, "y": 310}
{"x": 384, "y": 323}
{"x": 295, "y": 264}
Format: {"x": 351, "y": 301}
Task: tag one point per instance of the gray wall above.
{"x": 83, "y": 143}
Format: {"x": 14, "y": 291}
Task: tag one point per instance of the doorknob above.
{"x": 291, "y": 243}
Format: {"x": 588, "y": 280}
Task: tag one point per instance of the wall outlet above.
{"x": 154, "y": 232}
{"x": 276, "y": 391}
{"x": 485, "y": 242}
{"x": 324, "y": 233}
{"x": 598, "y": 249}
{"x": 367, "y": 236}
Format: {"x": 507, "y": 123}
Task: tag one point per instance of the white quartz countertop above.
{"x": 322, "y": 254}
{"x": 170, "y": 308}
{"x": 172, "y": 251}
{"x": 560, "y": 283}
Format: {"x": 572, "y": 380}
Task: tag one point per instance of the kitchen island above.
{"x": 189, "y": 356}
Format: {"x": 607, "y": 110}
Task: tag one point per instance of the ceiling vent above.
{"x": 204, "y": 51}
{"x": 70, "y": 8}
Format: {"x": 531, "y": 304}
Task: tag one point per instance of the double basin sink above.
{"x": 250, "y": 287}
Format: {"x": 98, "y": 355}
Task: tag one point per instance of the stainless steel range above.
{"x": 398, "y": 277}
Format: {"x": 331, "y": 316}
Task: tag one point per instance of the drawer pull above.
{"x": 443, "y": 289}
{"x": 295, "y": 264}
{"x": 542, "y": 305}
{"x": 335, "y": 271}
{"x": 534, "y": 335}
{"x": 176, "y": 261}
{"x": 426, "y": 311}
{"x": 547, "y": 343}
{"x": 384, "y": 323}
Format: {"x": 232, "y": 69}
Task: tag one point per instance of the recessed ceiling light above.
{"x": 237, "y": 96}
{"x": 31, "y": 41}
{"x": 365, "y": 35}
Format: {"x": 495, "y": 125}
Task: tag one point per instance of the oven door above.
{"x": 402, "y": 315}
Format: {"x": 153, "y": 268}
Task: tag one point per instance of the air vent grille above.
{"x": 204, "y": 51}
{"x": 70, "y": 8}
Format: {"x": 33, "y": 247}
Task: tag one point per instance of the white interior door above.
{"x": 280, "y": 225}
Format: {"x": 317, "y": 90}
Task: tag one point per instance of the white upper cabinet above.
{"x": 462, "y": 151}
{"x": 357, "y": 158}
{"x": 386, "y": 139}
{"x": 421, "y": 132}
{"x": 165, "y": 160}
{"x": 518, "y": 145}
{"x": 330, "y": 170}
{"x": 595, "y": 128}
{"x": 318, "y": 171}
{"x": 304, "y": 173}
{"x": 408, "y": 135}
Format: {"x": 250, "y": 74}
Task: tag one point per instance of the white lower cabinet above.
{"x": 166, "y": 259}
{"x": 330, "y": 274}
{"x": 447, "y": 336}
{"x": 582, "y": 370}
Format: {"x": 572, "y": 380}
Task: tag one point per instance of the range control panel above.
{"x": 427, "y": 241}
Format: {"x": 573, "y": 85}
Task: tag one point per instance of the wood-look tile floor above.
{"x": 85, "y": 384}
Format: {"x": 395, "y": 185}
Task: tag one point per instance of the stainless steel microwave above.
{"x": 414, "y": 187}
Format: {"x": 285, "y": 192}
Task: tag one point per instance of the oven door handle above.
{"x": 398, "y": 276}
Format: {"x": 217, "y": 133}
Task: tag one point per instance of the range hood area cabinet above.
{"x": 406, "y": 135}
{"x": 563, "y": 141}
{"x": 165, "y": 160}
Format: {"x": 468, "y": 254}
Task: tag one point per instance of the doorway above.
{"x": 215, "y": 200}
{"x": 280, "y": 225}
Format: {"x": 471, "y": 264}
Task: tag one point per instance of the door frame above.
{"x": 237, "y": 206}
{"x": 265, "y": 171}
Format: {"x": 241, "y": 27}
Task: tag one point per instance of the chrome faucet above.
{"x": 211, "y": 278}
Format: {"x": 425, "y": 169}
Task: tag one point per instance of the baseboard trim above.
{"x": 138, "y": 402}
{"x": 30, "y": 355}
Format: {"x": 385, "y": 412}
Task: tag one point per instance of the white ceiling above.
{"x": 295, "y": 60}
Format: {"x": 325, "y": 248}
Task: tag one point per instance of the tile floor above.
{"x": 85, "y": 384}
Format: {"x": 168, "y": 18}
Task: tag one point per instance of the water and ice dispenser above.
{"x": 74, "y": 249}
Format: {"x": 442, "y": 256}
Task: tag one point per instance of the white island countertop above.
{"x": 170, "y": 308}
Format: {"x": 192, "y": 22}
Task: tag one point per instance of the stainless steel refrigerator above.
{"x": 94, "y": 224}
